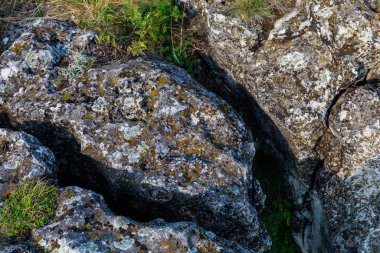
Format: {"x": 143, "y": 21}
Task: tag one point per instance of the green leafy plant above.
{"x": 29, "y": 206}
{"x": 133, "y": 26}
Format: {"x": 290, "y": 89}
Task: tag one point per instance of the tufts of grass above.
{"x": 257, "y": 11}
{"x": 29, "y": 206}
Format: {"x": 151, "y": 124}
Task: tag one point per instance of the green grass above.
{"x": 29, "y": 206}
{"x": 133, "y": 26}
{"x": 128, "y": 27}
{"x": 277, "y": 214}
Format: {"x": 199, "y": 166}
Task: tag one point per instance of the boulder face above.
{"x": 83, "y": 222}
{"x": 310, "y": 55}
{"x": 349, "y": 183}
{"x": 142, "y": 130}
{"x": 23, "y": 157}
{"x": 315, "y": 59}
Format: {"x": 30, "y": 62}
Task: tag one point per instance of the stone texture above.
{"x": 83, "y": 223}
{"x": 155, "y": 137}
{"x": 307, "y": 58}
{"x": 23, "y": 157}
{"x": 349, "y": 183}
{"x": 296, "y": 72}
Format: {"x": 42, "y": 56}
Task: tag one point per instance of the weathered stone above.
{"x": 309, "y": 56}
{"x": 150, "y": 134}
{"x": 23, "y": 247}
{"x": 349, "y": 183}
{"x": 295, "y": 73}
{"x": 84, "y": 223}
{"x": 23, "y": 157}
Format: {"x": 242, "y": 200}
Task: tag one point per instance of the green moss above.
{"x": 277, "y": 214}
{"x": 29, "y": 206}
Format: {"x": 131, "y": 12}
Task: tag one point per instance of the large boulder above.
{"x": 84, "y": 223}
{"x": 349, "y": 183}
{"x": 296, "y": 70}
{"x": 142, "y": 132}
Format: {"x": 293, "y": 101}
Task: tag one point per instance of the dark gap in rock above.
{"x": 81, "y": 170}
{"x": 5, "y": 121}
{"x": 274, "y": 163}
{"x": 78, "y": 169}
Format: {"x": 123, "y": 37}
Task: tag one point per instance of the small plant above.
{"x": 79, "y": 64}
{"x": 29, "y": 206}
{"x": 133, "y": 26}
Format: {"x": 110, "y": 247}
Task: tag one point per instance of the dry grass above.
{"x": 260, "y": 11}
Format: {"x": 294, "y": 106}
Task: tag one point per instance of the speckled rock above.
{"x": 349, "y": 183}
{"x": 23, "y": 247}
{"x": 23, "y": 157}
{"x": 84, "y": 223}
{"x": 155, "y": 137}
{"x": 295, "y": 71}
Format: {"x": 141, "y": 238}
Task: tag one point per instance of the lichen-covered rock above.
{"x": 22, "y": 247}
{"x": 23, "y": 157}
{"x": 154, "y": 136}
{"x": 311, "y": 54}
{"x": 83, "y": 223}
{"x": 349, "y": 183}
{"x": 295, "y": 73}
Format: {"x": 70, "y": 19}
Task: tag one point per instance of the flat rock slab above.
{"x": 158, "y": 141}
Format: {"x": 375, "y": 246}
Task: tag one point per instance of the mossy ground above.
{"x": 277, "y": 214}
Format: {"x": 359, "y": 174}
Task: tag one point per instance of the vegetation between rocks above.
{"x": 30, "y": 205}
{"x": 277, "y": 214}
{"x": 127, "y": 27}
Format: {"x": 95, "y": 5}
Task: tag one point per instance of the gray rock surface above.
{"x": 157, "y": 140}
{"x": 84, "y": 223}
{"x": 297, "y": 71}
{"x": 23, "y": 157}
{"x": 349, "y": 183}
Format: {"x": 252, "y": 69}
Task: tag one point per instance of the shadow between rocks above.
{"x": 273, "y": 154}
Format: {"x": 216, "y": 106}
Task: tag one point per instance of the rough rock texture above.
{"x": 349, "y": 183}
{"x": 23, "y": 157}
{"x": 83, "y": 223}
{"x": 296, "y": 72}
{"x": 309, "y": 56}
{"x": 144, "y": 130}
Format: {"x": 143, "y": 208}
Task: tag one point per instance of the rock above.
{"x": 23, "y": 157}
{"x": 296, "y": 72}
{"x": 310, "y": 55}
{"x": 84, "y": 222}
{"x": 349, "y": 183}
{"x": 23, "y": 247}
{"x": 142, "y": 131}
